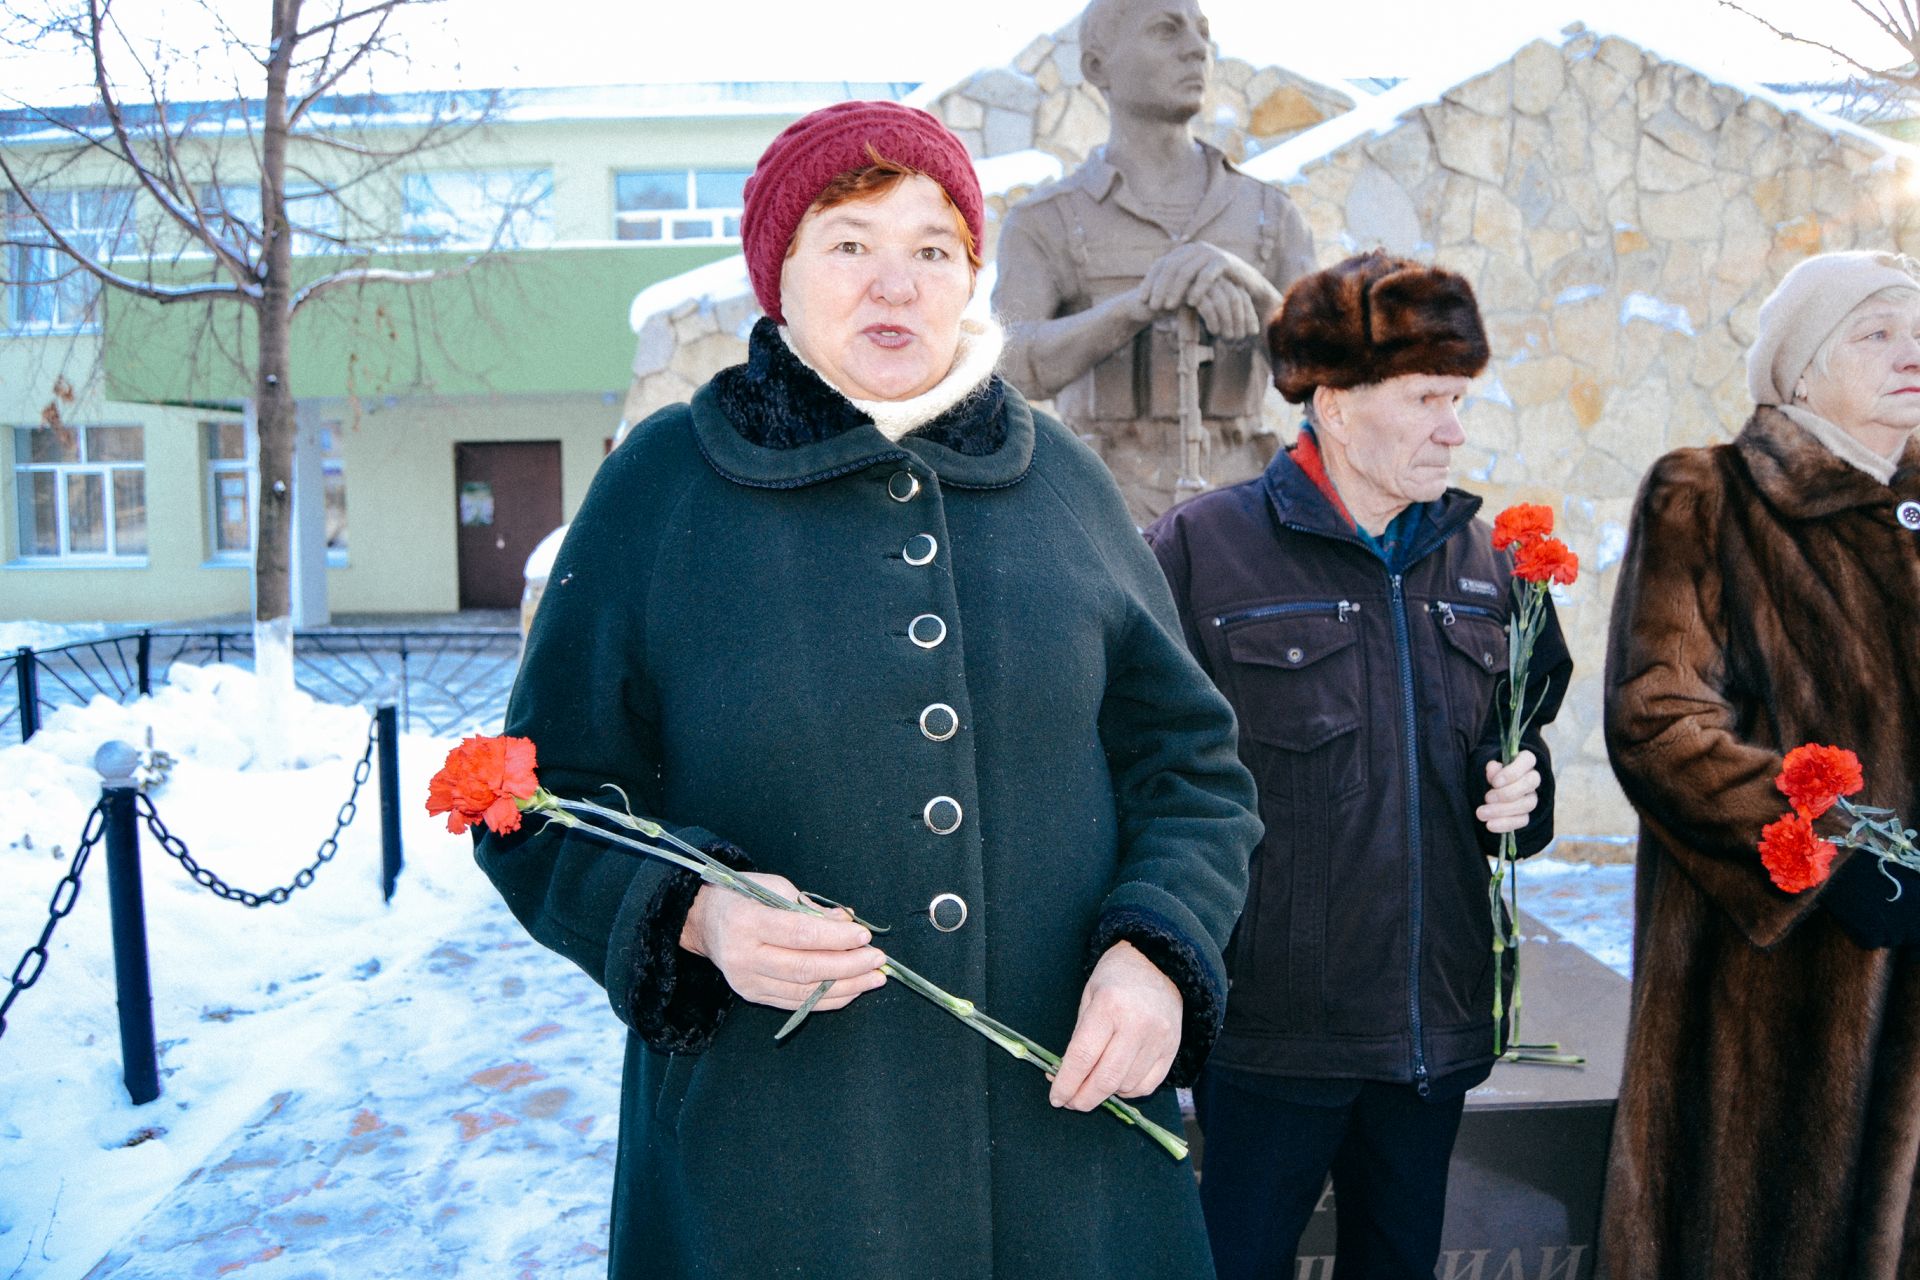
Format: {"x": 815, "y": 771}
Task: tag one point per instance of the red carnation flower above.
{"x": 1521, "y": 523}
{"x": 481, "y": 781}
{"x": 1796, "y": 858}
{"x": 1814, "y": 777}
{"x": 1546, "y": 560}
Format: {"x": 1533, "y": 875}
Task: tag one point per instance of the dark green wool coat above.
{"x": 726, "y": 636}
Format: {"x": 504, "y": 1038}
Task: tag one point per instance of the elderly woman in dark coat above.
{"x": 861, "y": 619}
{"x": 1769, "y": 1119}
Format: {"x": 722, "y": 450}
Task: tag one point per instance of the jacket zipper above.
{"x": 1448, "y": 612}
{"x": 1403, "y": 650}
{"x": 1340, "y": 607}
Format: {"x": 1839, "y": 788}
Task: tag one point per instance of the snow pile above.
{"x": 246, "y": 1002}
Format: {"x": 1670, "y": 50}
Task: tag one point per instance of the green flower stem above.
{"x": 713, "y": 871}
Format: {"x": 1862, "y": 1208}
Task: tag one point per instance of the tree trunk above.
{"x": 273, "y": 395}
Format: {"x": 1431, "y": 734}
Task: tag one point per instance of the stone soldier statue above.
{"x": 1135, "y": 292}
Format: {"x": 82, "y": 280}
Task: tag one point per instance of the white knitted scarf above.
{"x": 980, "y": 343}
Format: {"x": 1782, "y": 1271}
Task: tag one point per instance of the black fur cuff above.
{"x": 1203, "y": 992}
{"x": 678, "y": 999}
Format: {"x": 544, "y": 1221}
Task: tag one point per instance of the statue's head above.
{"x": 1150, "y": 58}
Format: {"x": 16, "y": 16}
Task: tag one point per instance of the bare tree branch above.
{"x": 162, "y": 192}
{"x": 378, "y": 275}
{"x": 91, "y": 264}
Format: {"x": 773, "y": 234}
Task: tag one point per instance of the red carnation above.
{"x": 1546, "y": 560}
{"x": 1814, "y": 777}
{"x": 481, "y": 781}
{"x": 1521, "y": 523}
{"x": 1796, "y": 858}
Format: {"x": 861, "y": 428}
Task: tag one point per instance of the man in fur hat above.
{"x": 1352, "y": 608}
{"x": 1154, "y": 256}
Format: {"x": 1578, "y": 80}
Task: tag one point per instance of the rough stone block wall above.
{"x": 1621, "y": 218}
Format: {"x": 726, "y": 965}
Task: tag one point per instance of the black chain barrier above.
{"x": 65, "y": 894}
{"x": 177, "y": 849}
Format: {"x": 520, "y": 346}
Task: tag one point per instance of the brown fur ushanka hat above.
{"x": 1374, "y": 317}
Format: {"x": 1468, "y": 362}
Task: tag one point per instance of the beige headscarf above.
{"x": 1809, "y": 304}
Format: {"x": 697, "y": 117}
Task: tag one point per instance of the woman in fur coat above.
{"x": 1769, "y": 1119}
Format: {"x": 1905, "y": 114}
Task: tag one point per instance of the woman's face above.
{"x": 874, "y": 290}
{"x": 1871, "y": 389}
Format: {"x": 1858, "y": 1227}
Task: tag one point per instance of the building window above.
{"x": 82, "y": 492}
{"x": 319, "y": 223}
{"x": 477, "y": 209}
{"x": 47, "y": 290}
{"x": 679, "y": 204}
{"x": 334, "y": 479}
{"x": 230, "y": 490}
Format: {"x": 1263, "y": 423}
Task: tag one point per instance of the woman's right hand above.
{"x": 777, "y": 958}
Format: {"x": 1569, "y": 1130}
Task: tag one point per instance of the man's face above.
{"x": 1399, "y": 436}
{"x": 1156, "y": 59}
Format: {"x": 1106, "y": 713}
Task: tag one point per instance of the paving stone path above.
{"x": 481, "y": 1150}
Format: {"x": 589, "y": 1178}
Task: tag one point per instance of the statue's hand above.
{"x": 1233, "y": 299}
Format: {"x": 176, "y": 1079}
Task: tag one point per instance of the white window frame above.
{"x": 331, "y": 466}
{"x": 692, "y": 223}
{"x": 98, "y": 221}
{"x": 464, "y": 208}
{"x": 63, "y": 555}
{"x": 213, "y": 469}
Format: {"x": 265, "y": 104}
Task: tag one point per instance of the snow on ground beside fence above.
{"x": 246, "y": 1002}
{"x": 51, "y": 635}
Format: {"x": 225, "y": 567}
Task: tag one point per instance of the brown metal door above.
{"x": 506, "y": 498}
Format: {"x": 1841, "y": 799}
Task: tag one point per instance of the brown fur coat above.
{"x": 1769, "y": 1120}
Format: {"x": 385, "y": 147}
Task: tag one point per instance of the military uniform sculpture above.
{"x": 1136, "y": 291}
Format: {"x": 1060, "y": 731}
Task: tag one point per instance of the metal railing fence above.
{"x": 444, "y": 681}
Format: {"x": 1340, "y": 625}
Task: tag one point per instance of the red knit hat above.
{"x": 819, "y": 147}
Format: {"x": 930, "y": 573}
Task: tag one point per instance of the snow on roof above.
{"x": 1377, "y": 115}
{"x": 726, "y": 278}
{"x": 1030, "y": 168}
{"x": 706, "y": 99}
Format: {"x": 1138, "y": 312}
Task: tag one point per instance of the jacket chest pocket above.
{"x": 1300, "y": 691}
{"x": 1473, "y": 642}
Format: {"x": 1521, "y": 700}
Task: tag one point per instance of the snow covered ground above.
{"x": 350, "y": 1088}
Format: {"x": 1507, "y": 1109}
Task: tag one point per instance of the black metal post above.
{"x": 141, "y": 1070}
{"x": 146, "y": 662}
{"x": 28, "y": 684}
{"x": 388, "y": 733}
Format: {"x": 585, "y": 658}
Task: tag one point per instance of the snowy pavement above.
{"x": 479, "y": 1144}
{"x": 350, "y": 1089}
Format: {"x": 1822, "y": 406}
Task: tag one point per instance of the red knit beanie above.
{"x": 819, "y": 147}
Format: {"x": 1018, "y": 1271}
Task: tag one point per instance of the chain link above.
{"x": 65, "y": 894}
{"x": 177, "y": 849}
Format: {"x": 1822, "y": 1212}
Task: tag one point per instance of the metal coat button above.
{"x": 1488, "y": 659}
{"x": 921, "y": 548}
{"x": 903, "y": 486}
{"x": 928, "y": 631}
{"x": 939, "y": 722}
{"x": 942, "y": 815}
{"x": 948, "y": 911}
{"x": 1294, "y": 655}
{"x": 1908, "y": 513}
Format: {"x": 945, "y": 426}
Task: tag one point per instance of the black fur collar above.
{"x": 775, "y": 401}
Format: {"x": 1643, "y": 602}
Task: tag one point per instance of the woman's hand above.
{"x": 1126, "y": 1036}
{"x": 774, "y": 957}
{"x": 1511, "y": 794}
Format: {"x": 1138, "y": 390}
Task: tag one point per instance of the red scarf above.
{"x": 1306, "y": 456}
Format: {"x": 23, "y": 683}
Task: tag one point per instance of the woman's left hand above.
{"x": 1126, "y": 1036}
{"x": 1511, "y": 794}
